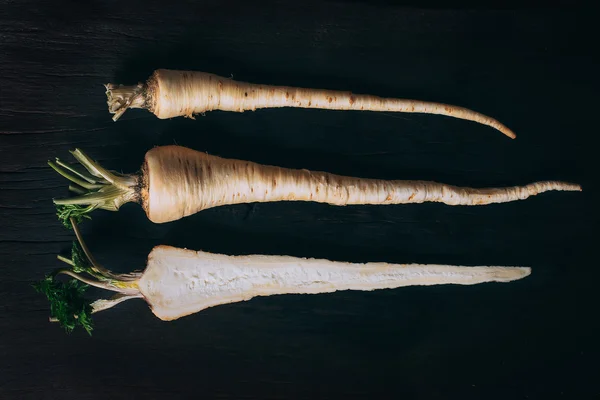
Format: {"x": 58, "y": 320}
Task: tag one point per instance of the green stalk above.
{"x": 96, "y": 188}
{"x": 68, "y": 306}
{"x": 94, "y": 265}
{"x": 88, "y": 281}
{"x": 105, "y": 304}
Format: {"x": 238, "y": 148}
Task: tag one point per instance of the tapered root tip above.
{"x": 504, "y": 129}
{"x": 508, "y": 274}
{"x": 499, "y": 126}
{"x": 474, "y": 116}
{"x": 522, "y": 272}
{"x": 557, "y": 185}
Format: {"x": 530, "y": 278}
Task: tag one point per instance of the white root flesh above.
{"x": 171, "y": 93}
{"x": 179, "y": 282}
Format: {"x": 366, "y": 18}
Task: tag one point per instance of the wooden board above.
{"x": 533, "y": 69}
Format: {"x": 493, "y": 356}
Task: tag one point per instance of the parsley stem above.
{"x": 95, "y": 266}
{"x": 90, "y": 282}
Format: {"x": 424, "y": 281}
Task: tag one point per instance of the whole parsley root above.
{"x": 180, "y": 282}
{"x": 175, "y": 182}
{"x": 171, "y": 93}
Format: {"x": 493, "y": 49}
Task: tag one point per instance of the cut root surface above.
{"x": 120, "y": 98}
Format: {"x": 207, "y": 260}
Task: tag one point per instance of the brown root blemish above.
{"x": 152, "y": 92}
{"x": 143, "y": 189}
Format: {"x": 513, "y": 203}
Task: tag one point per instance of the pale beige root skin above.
{"x": 179, "y": 282}
{"x": 179, "y": 182}
{"x": 185, "y": 93}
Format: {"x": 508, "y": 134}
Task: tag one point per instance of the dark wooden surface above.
{"x": 533, "y": 69}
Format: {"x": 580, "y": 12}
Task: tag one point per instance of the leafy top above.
{"x": 67, "y": 211}
{"x": 67, "y": 303}
{"x": 80, "y": 261}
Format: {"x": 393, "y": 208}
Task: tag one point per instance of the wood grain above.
{"x": 533, "y": 69}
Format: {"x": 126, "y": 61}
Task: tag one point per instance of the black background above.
{"x": 531, "y": 68}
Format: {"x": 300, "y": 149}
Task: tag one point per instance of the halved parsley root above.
{"x": 171, "y": 93}
{"x": 176, "y": 182}
{"x": 180, "y": 282}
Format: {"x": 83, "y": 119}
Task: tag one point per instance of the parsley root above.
{"x": 170, "y": 93}
{"x": 176, "y": 182}
{"x": 179, "y": 282}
